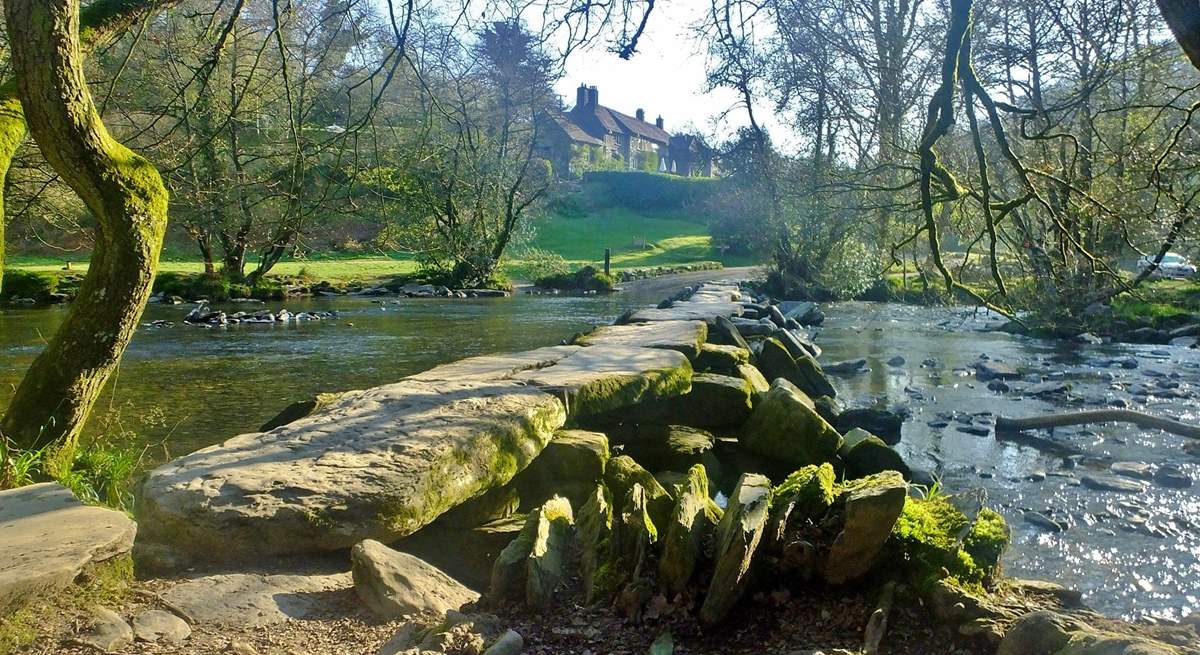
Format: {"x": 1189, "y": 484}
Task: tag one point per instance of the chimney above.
{"x": 593, "y": 97}
{"x": 659, "y": 122}
{"x": 581, "y": 95}
{"x": 641, "y": 114}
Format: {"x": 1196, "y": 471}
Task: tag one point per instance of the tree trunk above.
{"x": 12, "y": 133}
{"x": 125, "y": 194}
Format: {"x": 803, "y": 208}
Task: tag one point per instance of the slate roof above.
{"x": 575, "y": 132}
{"x": 600, "y": 120}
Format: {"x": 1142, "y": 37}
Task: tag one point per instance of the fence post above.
{"x": 607, "y": 260}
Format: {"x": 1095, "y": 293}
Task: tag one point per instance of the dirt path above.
{"x": 665, "y": 285}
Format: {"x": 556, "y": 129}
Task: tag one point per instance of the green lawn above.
{"x": 636, "y": 240}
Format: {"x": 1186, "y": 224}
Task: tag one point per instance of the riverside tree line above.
{"x": 1039, "y": 141}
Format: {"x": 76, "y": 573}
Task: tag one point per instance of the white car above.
{"x": 1173, "y": 265}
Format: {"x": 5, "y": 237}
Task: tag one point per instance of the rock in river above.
{"x": 377, "y": 464}
{"x": 1106, "y": 482}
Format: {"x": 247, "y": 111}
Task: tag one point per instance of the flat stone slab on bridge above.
{"x": 376, "y": 464}
{"x": 47, "y": 537}
{"x": 496, "y": 367}
{"x": 688, "y": 310}
{"x": 683, "y": 336}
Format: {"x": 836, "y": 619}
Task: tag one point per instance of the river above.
{"x": 1133, "y": 555}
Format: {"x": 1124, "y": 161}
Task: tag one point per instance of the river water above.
{"x": 1134, "y": 555}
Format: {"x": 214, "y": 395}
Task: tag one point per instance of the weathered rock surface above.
{"x": 533, "y": 565}
{"x": 776, "y": 361}
{"x": 300, "y": 409}
{"x": 154, "y": 626}
{"x": 872, "y": 506}
{"x": 47, "y": 537}
{"x": 758, "y": 382}
{"x": 671, "y": 447}
{"x": 738, "y": 535}
{"x": 1107, "y": 482}
{"x": 108, "y": 633}
{"x": 693, "y": 519}
{"x": 989, "y": 370}
{"x": 593, "y": 529}
{"x": 1047, "y": 633}
{"x": 377, "y": 464}
{"x": 721, "y": 358}
{"x": 715, "y": 401}
{"x": 785, "y": 427}
{"x": 254, "y": 599}
{"x": 623, "y": 473}
{"x": 489, "y": 368}
{"x": 686, "y": 337}
{"x": 467, "y": 553}
{"x": 393, "y": 584}
{"x": 865, "y": 454}
{"x": 570, "y": 465}
{"x": 602, "y": 378}
{"x": 693, "y": 310}
{"x": 722, "y": 331}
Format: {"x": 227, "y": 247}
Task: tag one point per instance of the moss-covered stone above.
{"x": 776, "y": 361}
{"x": 752, "y": 375}
{"x": 871, "y": 506}
{"x": 784, "y": 427}
{"x": 692, "y": 522}
{"x": 634, "y": 533}
{"x": 671, "y": 447}
{"x": 603, "y": 378}
{"x": 805, "y": 494}
{"x": 866, "y": 454}
{"x": 621, "y": 476}
{"x": 532, "y": 564}
{"x": 721, "y": 358}
{"x": 686, "y": 337}
{"x": 569, "y": 466}
{"x": 715, "y": 401}
{"x": 737, "y": 538}
{"x": 495, "y": 504}
{"x": 926, "y": 541}
{"x": 593, "y": 531}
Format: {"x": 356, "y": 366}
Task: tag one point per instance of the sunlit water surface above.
{"x": 181, "y": 388}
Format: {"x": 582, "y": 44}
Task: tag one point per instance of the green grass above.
{"x": 637, "y": 240}
{"x": 1159, "y": 301}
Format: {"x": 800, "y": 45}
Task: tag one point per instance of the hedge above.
{"x": 642, "y": 190}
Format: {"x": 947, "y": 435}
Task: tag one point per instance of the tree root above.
{"x": 1097, "y": 416}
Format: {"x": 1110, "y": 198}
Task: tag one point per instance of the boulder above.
{"x": 992, "y": 370}
{"x": 776, "y": 361}
{"x": 800, "y": 501}
{"x": 671, "y": 447}
{"x": 872, "y": 506}
{"x": 593, "y": 530}
{"x": 784, "y": 426}
{"x": 758, "y": 382}
{"x": 533, "y": 565}
{"x": 884, "y": 423}
{"x": 108, "y": 632}
{"x": 692, "y": 521}
{"x": 847, "y": 368}
{"x": 394, "y": 584}
{"x": 715, "y": 401}
{"x": 721, "y": 358}
{"x": 377, "y": 464}
{"x": 1045, "y": 632}
{"x": 796, "y": 346}
{"x": 48, "y": 537}
{"x": 866, "y": 454}
{"x": 722, "y": 331}
{"x": 686, "y": 337}
{"x": 509, "y": 643}
{"x": 155, "y": 626}
{"x": 494, "y": 504}
{"x": 737, "y": 538}
{"x": 1107, "y": 482}
{"x": 623, "y": 473}
{"x": 570, "y": 466}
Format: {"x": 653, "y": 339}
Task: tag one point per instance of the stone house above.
{"x": 606, "y": 132}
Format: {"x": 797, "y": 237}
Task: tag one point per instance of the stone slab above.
{"x": 684, "y": 336}
{"x": 496, "y": 367}
{"x": 377, "y": 464}
{"x": 47, "y": 537}
{"x": 688, "y": 311}
{"x": 255, "y": 599}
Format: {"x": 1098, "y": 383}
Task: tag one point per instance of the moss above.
{"x": 106, "y": 583}
{"x": 927, "y": 540}
{"x": 623, "y": 474}
{"x": 810, "y": 490}
{"x": 617, "y": 391}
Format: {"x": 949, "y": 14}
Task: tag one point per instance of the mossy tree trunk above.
{"x": 121, "y": 189}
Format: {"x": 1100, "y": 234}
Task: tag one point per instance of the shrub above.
{"x": 213, "y": 287}
{"x": 587, "y": 278}
{"x": 268, "y": 289}
{"x": 239, "y": 290}
{"x": 29, "y": 284}
{"x": 644, "y": 190}
{"x": 173, "y": 284}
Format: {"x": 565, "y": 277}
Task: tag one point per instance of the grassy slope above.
{"x": 670, "y": 240}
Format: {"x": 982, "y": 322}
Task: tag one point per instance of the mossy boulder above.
{"x": 715, "y": 401}
{"x": 784, "y": 427}
{"x": 603, "y": 378}
{"x": 621, "y": 476}
{"x": 776, "y": 361}
{"x": 671, "y": 447}
{"x": 737, "y": 539}
{"x": 593, "y": 531}
{"x": 721, "y": 358}
{"x": 694, "y": 518}
{"x": 570, "y": 466}
{"x": 533, "y": 564}
{"x": 866, "y": 454}
{"x": 633, "y": 534}
{"x": 802, "y": 498}
{"x": 871, "y": 506}
{"x": 723, "y": 332}
{"x": 933, "y": 539}
{"x": 751, "y": 374}
{"x": 18, "y": 283}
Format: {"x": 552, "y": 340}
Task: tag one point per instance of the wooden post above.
{"x": 607, "y": 260}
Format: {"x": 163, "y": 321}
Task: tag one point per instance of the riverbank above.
{"x": 590, "y": 399}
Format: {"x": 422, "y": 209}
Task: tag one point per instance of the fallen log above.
{"x": 1141, "y": 419}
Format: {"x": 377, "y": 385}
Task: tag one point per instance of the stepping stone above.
{"x": 495, "y": 367}
{"x": 47, "y": 537}
{"x": 603, "y": 378}
{"x": 376, "y": 464}
{"x": 685, "y": 336}
{"x": 255, "y": 599}
{"x": 688, "y": 311}
{"x": 155, "y": 626}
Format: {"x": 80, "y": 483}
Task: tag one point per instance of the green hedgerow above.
{"x": 29, "y": 284}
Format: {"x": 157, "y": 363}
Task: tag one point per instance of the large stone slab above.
{"x": 685, "y": 336}
{"x": 496, "y": 367}
{"x": 688, "y": 311}
{"x": 47, "y": 537}
{"x": 597, "y": 379}
{"x": 377, "y": 464}
{"x": 256, "y": 599}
